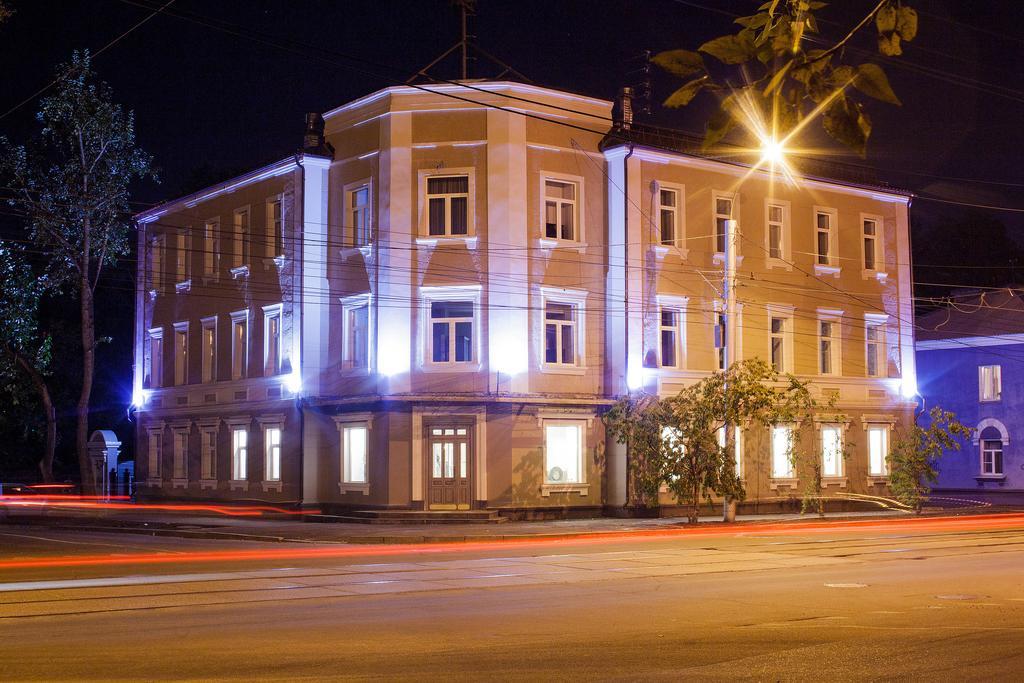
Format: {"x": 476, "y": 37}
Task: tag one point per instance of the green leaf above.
{"x": 679, "y": 62}
{"x": 906, "y": 23}
{"x": 889, "y": 44}
{"x": 777, "y": 79}
{"x": 682, "y": 96}
{"x": 818, "y": 5}
{"x": 729, "y": 49}
{"x": 754, "y": 20}
{"x": 844, "y": 124}
{"x": 841, "y": 76}
{"x": 885, "y": 20}
{"x": 718, "y": 126}
{"x": 872, "y": 81}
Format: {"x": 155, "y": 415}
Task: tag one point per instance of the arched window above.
{"x": 991, "y": 451}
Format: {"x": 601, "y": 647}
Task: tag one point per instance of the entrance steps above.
{"x": 420, "y": 517}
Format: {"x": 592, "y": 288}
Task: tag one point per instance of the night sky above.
{"x": 214, "y": 96}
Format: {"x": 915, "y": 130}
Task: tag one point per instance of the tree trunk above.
{"x": 50, "y": 445}
{"x": 88, "y": 363}
{"x": 695, "y": 509}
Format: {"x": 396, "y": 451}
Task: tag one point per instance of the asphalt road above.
{"x": 885, "y": 600}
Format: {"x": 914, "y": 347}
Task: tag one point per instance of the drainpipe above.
{"x": 298, "y": 204}
{"x": 625, "y": 306}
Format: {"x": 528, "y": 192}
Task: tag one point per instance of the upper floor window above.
{"x": 448, "y": 205}
{"x": 723, "y": 212}
{"x": 451, "y": 338}
{"x": 990, "y": 382}
{"x": 155, "y": 359}
{"x": 878, "y": 450}
{"x": 240, "y": 237}
{"x": 157, "y": 261}
{"x": 872, "y": 245}
{"x": 721, "y": 334}
{"x": 211, "y": 247}
{"x": 670, "y": 346}
{"x": 669, "y": 208}
{"x": 180, "y": 354}
{"x": 183, "y": 251}
{"x": 874, "y": 336}
{"x": 275, "y": 227}
{"x": 209, "y": 349}
{"x": 239, "y": 344}
{"x": 778, "y": 231}
{"x": 357, "y": 337}
{"x": 828, "y": 346}
{"x": 561, "y": 215}
{"x": 779, "y": 331}
{"x": 824, "y": 230}
{"x": 359, "y": 214}
{"x": 559, "y": 333}
{"x": 272, "y": 339}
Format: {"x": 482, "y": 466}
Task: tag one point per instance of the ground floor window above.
{"x": 992, "y": 457}
{"x": 782, "y": 446}
{"x": 831, "y": 451}
{"x": 878, "y": 451}
{"x": 563, "y": 452}
{"x": 180, "y": 468}
{"x": 272, "y": 448}
{"x": 353, "y": 454}
{"x": 239, "y": 453}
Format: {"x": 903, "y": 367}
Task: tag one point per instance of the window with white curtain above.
{"x": 272, "y": 453}
{"x": 563, "y": 452}
{"x": 878, "y": 450}
{"x": 354, "y": 454}
{"x": 782, "y": 445}
{"x": 990, "y": 382}
{"x": 831, "y": 451}
{"x": 239, "y": 453}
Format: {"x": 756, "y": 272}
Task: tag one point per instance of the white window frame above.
{"x": 733, "y": 197}
{"x": 840, "y": 465}
{"x": 677, "y": 332}
{"x": 208, "y": 351}
{"x": 831, "y": 265}
{"x": 211, "y": 249}
{"x": 267, "y": 424}
{"x": 271, "y": 366}
{"x": 240, "y": 235}
{"x": 678, "y": 304}
{"x": 560, "y": 330}
{"x": 879, "y": 322}
{"x": 583, "y": 423}
{"x": 239, "y": 465}
{"x": 879, "y": 246}
{"x": 786, "y": 314}
{"x": 785, "y": 258}
{"x": 181, "y": 354}
{"x": 183, "y": 258}
{"x": 155, "y": 357}
{"x": 678, "y": 215}
{"x": 424, "y": 206}
{"x": 350, "y": 232}
{"x": 834, "y": 318}
{"x": 774, "y": 473}
{"x": 239, "y": 366}
{"x": 344, "y": 424}
{"x": 434, "y": 294}
{"x": 349, "y": 305}
{"x": 995, "y": 385}
{"x": 580, "y": 233}
{"x": 576, "y": 298}
{"x": 1002, "y": 459}
{"x": 275, "y": 232}
{"x": 885, "y": 428}
{"x": 179, "y": 453}
{"x": 154, "y": 453}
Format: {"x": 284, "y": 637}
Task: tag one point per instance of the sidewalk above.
{"x": 295, "y": 530}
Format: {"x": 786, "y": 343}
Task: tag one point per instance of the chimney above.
{"x": 313, "y": 142}
{"x": 622, "y": 112}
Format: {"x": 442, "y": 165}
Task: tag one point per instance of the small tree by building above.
{"x": 676, "y": 440}
{"x": 915, "y": 454}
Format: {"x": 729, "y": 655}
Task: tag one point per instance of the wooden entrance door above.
{"x": 449, "y": 467}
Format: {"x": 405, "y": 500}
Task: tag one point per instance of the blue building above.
{"x": 970, "y": 360}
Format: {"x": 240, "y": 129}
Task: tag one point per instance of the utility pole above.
{"x": 729, "y": 290}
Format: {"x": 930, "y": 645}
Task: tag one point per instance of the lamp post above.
{"x": 729, "y": 290}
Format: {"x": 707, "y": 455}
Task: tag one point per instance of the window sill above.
{"x": 820, "y": 270}
{"x": 239, "y": 272}
{"x": 663, "y": 250}
{"x": 1000, "y": 478}
{"x": 238, "y": 484}
{"x": 364, "y": 249}
{"x": 344, "y": 487}
{"x": 553, "y": 369}
{"x": 719, "y": 258}
{"x": 878, "y": 480}
{"x": 879, "y": 275}
{"x": 547, "y": 489}
{"x": 207, "y": 484}
{"x": 183, "y": 287}
{"x": 156, "y": 483}
{"x": 775, "y": 484}
{"x": 179, "y": 483}
{"x": 548, "y": 243}
{"x": 470, "y": 241}
{"x": 271, "y": 486}
{"x": 449, "y": 367}
{"x": 833, "y": 481}
{"x": 990, "y": 400}
{"x": 778, "y": 263}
